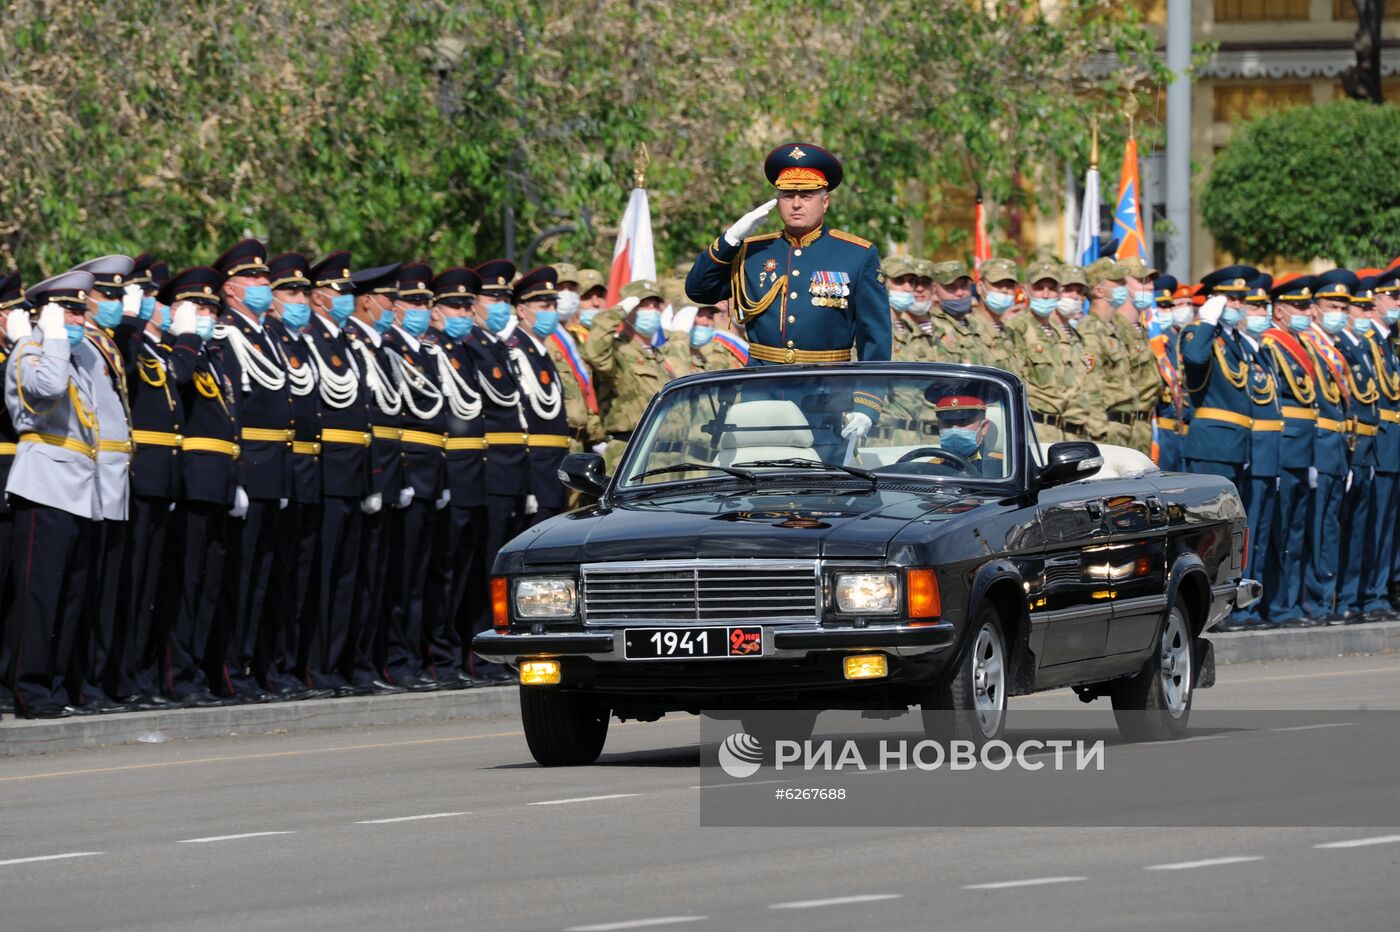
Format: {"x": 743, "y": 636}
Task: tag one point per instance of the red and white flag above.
{"x": 981, "y": 245}
{"x": 634, "y": 256}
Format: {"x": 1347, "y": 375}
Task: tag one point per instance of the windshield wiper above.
{"x": 795, "y": 463}
{"x": 690, "y": 467}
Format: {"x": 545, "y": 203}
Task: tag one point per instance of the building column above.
{"x": 1178, "y": 180}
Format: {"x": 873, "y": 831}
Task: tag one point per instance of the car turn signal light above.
{"x": 866, "y": 666}
{"x": 921, "y": 588}
{"x": 500, "y": 603}
{"x": 539, "y": 673}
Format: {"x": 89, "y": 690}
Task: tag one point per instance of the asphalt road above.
{"x": 452, "y": 826}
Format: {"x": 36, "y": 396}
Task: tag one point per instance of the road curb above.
{"x": 1306, "y": 643}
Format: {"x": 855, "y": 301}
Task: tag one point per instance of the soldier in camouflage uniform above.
{"x": 912, "y": 342}
{"x": 1103, "y": 336}
{"x": 1144, "y": 383}
{"x": 923, "y": 288}
{"x": 956, "y": 336}
{"x": 1042, "y": 353}
{"x": 695, "y": 350}
{"x": 1086, "y": 416}
{"x": 997, "y": 291}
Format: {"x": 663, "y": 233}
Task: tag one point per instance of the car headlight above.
{"x": 546, "y": 597}
{"x": 867, "y": 593}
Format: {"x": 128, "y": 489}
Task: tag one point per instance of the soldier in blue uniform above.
{"x": 1294, "y": 378}
{"x": 1172, "y": 412}
{"x": 1386, "y": 298}
{"x": 1358, "y": 525}
{"x": 15, "y": 309}
{"x": 253, "y": 360}
{"x": 1374, "y": 601}
{"x": 1215, "y": 367}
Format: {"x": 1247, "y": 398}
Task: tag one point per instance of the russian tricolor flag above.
{"x": 634, "y": 256}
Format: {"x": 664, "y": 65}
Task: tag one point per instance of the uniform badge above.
{"x": 770, "y": 266}
{"x": 258, "y": 347}
{"x": 335, "y": 361}
{"x": 294, "y": 362}
{"x": 456, "y": 363}
{"x": 496, "y": 372}
{"x": 544, "y": 378}
{"x": 1089, "y": 361}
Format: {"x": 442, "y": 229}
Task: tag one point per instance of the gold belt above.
{"x": 1267, "y": 426}
{"x": 774, "y": 354}
{"x": 1391, "y": 416}
{"x": 558, "y": 441}
{"x": 1299, "y": 414}
{"x": 1365, "y": 430}
{"x": 1220, "y": 414}
{"x": 269, "y": 434}
{"x": 423, "y": 439}
{"x": 210, "y": 445}
{"x": 308, "y": 447}
{"x": 336, "y": 435}
{"x": 54, "y": 440}
{"x": 155, "y": 438}
{"x": 505, "y": 439}
{"x": 1167, "y": 423}
{"x": 466, "y": 443}
{"x": 9, "y": 449}
{"x": 1326, "y": 423}
{"x": 387, "y": 433}
{"x": 114, "y": 446}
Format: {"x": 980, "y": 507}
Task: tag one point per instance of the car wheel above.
{"x": 1155, "y": 704}
{"x": 972, "y": 705}
{"x": 563, "y": 729}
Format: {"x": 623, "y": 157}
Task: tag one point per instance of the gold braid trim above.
{"x": 1305, "y": 394}
{"x": 152, "y": 372}
{"x": 1367, "y": 397}
{"x": 1332, "y": 394}
{"x": 1391, "y": 387}
{"x": 745, "y": 308}
{"x": 1236, "y": 377}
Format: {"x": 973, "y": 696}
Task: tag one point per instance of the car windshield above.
{"x": 935, "y": 426}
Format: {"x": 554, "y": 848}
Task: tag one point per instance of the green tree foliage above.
{"x": 1310, "y": 183}
{"x": 412, "y": 128}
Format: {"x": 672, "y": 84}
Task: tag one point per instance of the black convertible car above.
{"x": 755, "y": 552}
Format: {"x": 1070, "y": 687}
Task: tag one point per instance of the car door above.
{"x": 1070, "y": 602}
{"x": 1136, "y": 521}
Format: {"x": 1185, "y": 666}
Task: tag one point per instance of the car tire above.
{"x": 1155, "y": 704}
{"x": 976, "y": 695}
{"x": 563, "y": 729}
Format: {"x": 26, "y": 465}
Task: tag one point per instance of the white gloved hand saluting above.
{"x": 240, "y": 503}
{"x": 405, "y": 496}
{"x": 443, "y": 499}
{"x": 17, "y": 325}
{"x": 131, "y": 301}
{"x": 51, "y": 323}
{"x": 182, "y": 319}
{"x": 746, "y": 224}
{"x": 372, "y": 503}
{"x": 858, "y": 424}
{"x": 600, "y": 448}
{"x": 1212, "y": 309}
{"x": 629, "y": 304}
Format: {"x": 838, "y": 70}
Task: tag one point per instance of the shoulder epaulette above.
{"x": 762, "y": 237}
{"x": 851, "y": 238}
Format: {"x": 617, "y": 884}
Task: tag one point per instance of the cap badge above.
{"x": 797, "y": 154}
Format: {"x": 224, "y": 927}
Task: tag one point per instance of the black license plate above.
{"x": 691, "y": 643}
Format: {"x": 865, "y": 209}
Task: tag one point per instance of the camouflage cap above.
{"x": 949, "y": 271}
{"x": 1039, "y": 271}
{"x": 1136, "y": 267}
{"x": 1103, "y": 270}
{"x": 923, "y": 268}
{"x": 1073, "y": 275}
{"x": 642, "y": 289}
{"x": 999, "y": 270}
{"x": 898, "y": 266}
{"x": 588, "y": 279}
{"x": 565, "y": 272}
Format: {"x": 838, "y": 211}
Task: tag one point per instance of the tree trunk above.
{"x": 1362, "y": 81}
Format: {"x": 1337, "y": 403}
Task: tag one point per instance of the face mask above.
{"x": 1070, "y": 306}
{"x": 699, "y": 336}
{"x": 1142, "y": 300}
{"x": 415, "y": 320}
{"x": 1256, "y": 324}
{"x": 1299, "y": 322}
{"x": 959, "y": 440}
{"x": 385, "y": 323}
{"x": 76, "y": 332}
{"x": 148, "y": 307}
{"x": 647, "y": 322}
{"x": 296, "y": 316}
{"x": 902, "y": 300}
{"x": 999, "y": 302}
{"x": 1231, "y": 316}
{"x": 204, "y": 327}
{"x": 1334, "y": 321}
{"x": 1162, "y": 317}
{"x": 1044, "y": 307}
{"x": 958, "y": 307}
{"x": 568, "y": 304}
{"x": 1183, "y": 316}
{"x": 258, "y": 298}
{"x": 923, "y": 307}
{"x": 497, "y": 316}
{"x": 545, "y": 322}
{"x": 109, "y": 313}
{"x": 163, "y": 318}
{"x": 457, "y": 327}
{"x": 585, "y": 317}
{"x": 1118, "y": 296}
{"x": 1391, "y": 316}
{"x": 1361, "y": 325}
{"x": 342, "y": 306}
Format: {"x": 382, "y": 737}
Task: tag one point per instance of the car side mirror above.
{"x": 1070, "y": 460}
{"x": 583, "y": 472}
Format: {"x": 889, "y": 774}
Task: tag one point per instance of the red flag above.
{"x": 634, "y": 256}
{"x": 981, "y": 248}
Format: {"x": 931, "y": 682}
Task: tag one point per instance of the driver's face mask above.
{"x": 962, "y": 441}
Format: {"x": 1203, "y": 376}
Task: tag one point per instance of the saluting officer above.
{"x": 1216, "y": 371}
{"x": 1358, "y": 526}
{"x": 253, "y": 360}
{"x": 1374, "y": 600}
{"x": 1386, "y": 298}
{"x": 1172, "y": 413}
{"x": 15, "y": 309}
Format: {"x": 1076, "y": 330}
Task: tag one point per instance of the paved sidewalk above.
{"x": 502, "y": 702}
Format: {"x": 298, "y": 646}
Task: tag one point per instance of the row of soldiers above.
{"x": 273, "y": 479}
{"x": 1290, "y": 388}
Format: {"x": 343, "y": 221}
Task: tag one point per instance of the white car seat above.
{"x": 1118, "y": 462}
{"x": 768, "y": 430}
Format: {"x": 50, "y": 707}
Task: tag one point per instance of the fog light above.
{"x": 866, "y": 667}
{"x": 539, "y": 673}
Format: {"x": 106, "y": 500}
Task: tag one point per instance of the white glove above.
{"x": 405, "y": 496}
{"x": 17, "y": 325}
{"x": 1212, "y": 309}
{"x": 240, "y": 503}
{"x": 51, "y": 323}
{"x": 1372, "y": 477}
{"x": 372, "y": 504}
{"x": 531, "y": 505}
{"x": 1350, "y": 474}
{"x": 443, "y": 499}
{"x": 857, "y": 423}
{"x": 1312, "y": 477}
{"x": 599, "y": 448}
{"x": 746, "y": 224}
{"x": 281, "y": 504}
{"x": 1278, "y": 483}
{"x": 131, "y": 301}
{"x": 182, "y": 319}
{"x": 628, "y": 305}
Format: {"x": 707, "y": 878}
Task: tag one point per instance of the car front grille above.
{"x": 700, "y": 592}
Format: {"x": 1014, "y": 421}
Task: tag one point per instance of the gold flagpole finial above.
{"x": 1130, "y": 109}
{"x": 1094, "y": 143}
{"x": 640, "y": 162}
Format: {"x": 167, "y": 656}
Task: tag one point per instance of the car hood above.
{"x": 792, "y": 522}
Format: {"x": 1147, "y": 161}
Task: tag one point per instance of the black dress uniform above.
{"x": 345, "y": 457}
{"x": 254, "y": 363}
{"x": 199, "y": 538}
{"x": 424, "y": 442}
{"x": 11, "y": 298}
{"x": 542, "y": 404}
